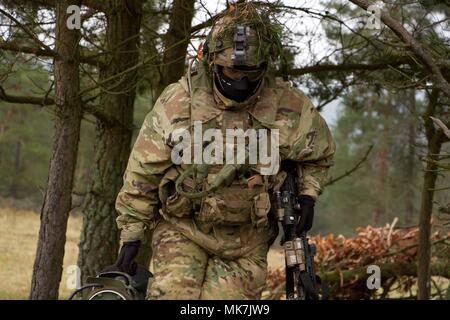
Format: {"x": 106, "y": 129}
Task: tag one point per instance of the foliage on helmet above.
{"x": 265, "y": 40}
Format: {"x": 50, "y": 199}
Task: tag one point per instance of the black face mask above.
{"x": 237, "y": 90}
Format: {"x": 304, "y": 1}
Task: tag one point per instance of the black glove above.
{"x": 307, "y": 214}
{"x": 125, "y": 261}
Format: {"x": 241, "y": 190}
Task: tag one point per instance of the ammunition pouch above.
{"x": 172, "y": 202}
{"x": 261, "y": 210}
{"x": 235, "y": 204}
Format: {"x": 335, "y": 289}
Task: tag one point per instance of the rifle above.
{"x": 302, "y": 283}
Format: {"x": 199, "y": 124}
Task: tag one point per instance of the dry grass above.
{"x": 18, "y": 237}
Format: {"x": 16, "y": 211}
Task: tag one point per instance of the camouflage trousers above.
{"x": 184, "y": 270}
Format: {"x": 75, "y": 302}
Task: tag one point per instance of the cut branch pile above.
{"x": 342, "y": 262}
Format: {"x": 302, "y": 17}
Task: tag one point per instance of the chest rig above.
{"x": 201, "y": 198}
{"x": 242, "y": 196}
{"x": 226, "y": 189}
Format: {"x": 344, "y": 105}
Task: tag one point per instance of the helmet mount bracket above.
{"x": 240, "y": 38}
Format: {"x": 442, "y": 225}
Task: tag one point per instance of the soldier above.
{"x": 214, "y": 245}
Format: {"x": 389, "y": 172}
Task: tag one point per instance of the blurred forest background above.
{"x": 76, "y": 99}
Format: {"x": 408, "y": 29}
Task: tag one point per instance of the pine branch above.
{"x": 40, "y": 101}
{"x": 28, "y": 32}
{"x": 349, "y": 172}
{"x": 94, "y": 110}
{"x": 388, "y": 270}
{"x": 344, "y": 67}
{"x": 90, "y": 59}
{"x": 420, "y": 50}
{"x": 442, "y": 125}
{"x": 98, "y": 5}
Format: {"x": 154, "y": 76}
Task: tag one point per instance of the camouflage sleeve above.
{"x": 313, "y": 147}
{"x": 137, "y": 201}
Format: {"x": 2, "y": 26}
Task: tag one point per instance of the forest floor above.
{"x": 19, "y": 231}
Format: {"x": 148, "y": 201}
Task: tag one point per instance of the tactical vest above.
{"x": 243, "y": 205}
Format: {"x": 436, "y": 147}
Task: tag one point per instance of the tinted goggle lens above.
{"x": 237, "y": 73}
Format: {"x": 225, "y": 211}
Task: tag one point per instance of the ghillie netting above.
{"x": 262, "y": 19}
{"x": 342, "y": 262}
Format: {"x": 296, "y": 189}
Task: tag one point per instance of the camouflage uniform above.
{"x": 216, "y": 247}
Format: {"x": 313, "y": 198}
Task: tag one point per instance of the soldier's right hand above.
{"x": 307, "y": 215}
{"x": 125, "y": 261}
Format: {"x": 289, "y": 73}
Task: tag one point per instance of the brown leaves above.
{"x": 370, "y": 246}
{"x": 379, "y": 246}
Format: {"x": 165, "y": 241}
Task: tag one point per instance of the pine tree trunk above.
{"x": 47, "y": 268}
{"x": 99, "y": 237}
{"x": 435, "y": 140}
{"x": 176, "y": 42}
{"x": 424, "y": 250}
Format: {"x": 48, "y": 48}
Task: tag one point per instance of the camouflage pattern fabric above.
{"x": 198, "y": 260}
{"x": 304, "y": 137}
{"x": 183, "y": 270}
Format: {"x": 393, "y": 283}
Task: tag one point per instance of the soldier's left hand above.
{"x": 125, "y": 261}
{"x": 307, "y": 213}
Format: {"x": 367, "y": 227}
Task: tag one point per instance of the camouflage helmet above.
{"x": 243, "y": 35}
